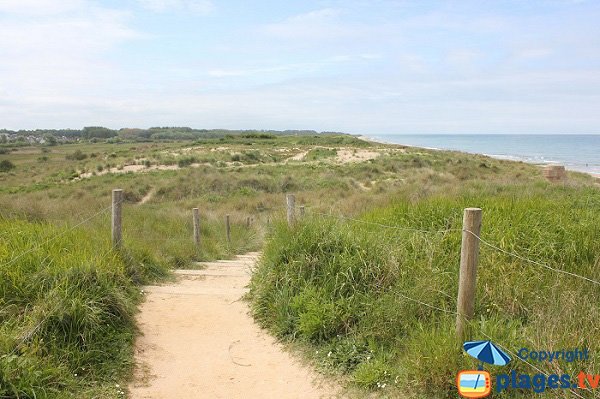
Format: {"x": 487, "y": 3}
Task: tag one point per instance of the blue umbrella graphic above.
{"x": 486, "y": 352}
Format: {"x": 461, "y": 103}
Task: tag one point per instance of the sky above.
{"x": 365, "y": 67}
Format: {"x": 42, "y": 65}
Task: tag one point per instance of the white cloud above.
{"x": 201, "y": 7}
{"x": 57, "y": 59}
{"x": 39, "y": 7}
{"x": 287, "y": 70}
{"x": 318, "y": 24}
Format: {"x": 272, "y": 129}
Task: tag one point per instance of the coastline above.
{"x": 504, "y": 158}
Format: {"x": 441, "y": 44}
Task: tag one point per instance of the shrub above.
{"x": 6, "y": 165}
{"x": 78, "y": 155}
{"x": 320, "y": 153}
{"x": 186, "y": 161}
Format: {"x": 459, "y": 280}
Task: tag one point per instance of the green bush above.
{"x": 78, "y": 155}
{"x": 320, "y": 153}
{"x": 6, "y": 166}
{"x": 186, "y": 161}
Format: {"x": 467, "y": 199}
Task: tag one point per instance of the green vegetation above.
{"x": 349, "y": 290}
{"x": 6, "y": 166}
{"x": 76, "y": 156}
{"x": 67, "y": 306}
{"x": 320, "y": 153}
{"x": 65, "y": 190}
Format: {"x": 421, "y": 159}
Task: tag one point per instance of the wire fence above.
{"x": 449, "y": 230}
{"x": 273, "y": 211}
{"x": 276, "y": 212}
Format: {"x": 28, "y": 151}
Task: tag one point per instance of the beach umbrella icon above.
{"x": 486, "y": 352}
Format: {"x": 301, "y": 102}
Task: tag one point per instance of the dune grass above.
{"x": 67, "y": 303}
{"x": 355, "y": 292}
{"x": 69, "y": 285}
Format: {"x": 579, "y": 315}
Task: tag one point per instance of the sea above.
{"x": 579, "y": 152}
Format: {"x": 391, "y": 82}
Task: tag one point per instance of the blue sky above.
{"x": 374, "y": 67}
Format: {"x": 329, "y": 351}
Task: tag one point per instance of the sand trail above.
{"x": 199, "y": 342}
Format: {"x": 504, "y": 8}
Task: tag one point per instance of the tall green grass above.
{"x": 376, "y": 304}
{"x": 67, "y": 304}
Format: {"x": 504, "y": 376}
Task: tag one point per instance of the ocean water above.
{"x": 575, "y": 152}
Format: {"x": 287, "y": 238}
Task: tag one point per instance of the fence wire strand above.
{"x": 484, "y": 242}
{"x": 515, "y": 255}
{"x": 56, "y": 236}
{"x": 402, "y": 228}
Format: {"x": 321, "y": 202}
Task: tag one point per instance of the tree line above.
{"x": 153, "y": 133}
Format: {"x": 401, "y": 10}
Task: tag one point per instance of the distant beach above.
{"x": 576, "y": 152}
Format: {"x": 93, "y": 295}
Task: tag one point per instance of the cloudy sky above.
{"x": 375, "y": 67}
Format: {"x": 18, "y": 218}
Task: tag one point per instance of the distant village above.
{"x": 47, "y": 139}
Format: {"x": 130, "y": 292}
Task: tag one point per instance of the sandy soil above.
{"x": 130, "y": 169}
{"x": 356, "y": 155}
{"x": 344, "y": 155}
{"x": 199, "y": 342}
{"x": 147, "y": 197}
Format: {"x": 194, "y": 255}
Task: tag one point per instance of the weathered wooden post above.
{"x": 196, "y": 217}
{"x": 247, "y": 222}
{"x": 302, "y": 211}
{"x": 469, "y": 257}
{"x": 228, "y": 228}
{"x": 117, "y": 232}
{"x": 291, "y": 208}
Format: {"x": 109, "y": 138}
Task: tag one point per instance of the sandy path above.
{"x": 199, "y": 342}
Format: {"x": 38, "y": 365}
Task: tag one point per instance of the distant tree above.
{"x": 98, "y": 132}
{"x": 6, "y": 166}
{"x": 50, "y": 139}
{"x": 3, "y": 139}
{"x": 134, "y": 134}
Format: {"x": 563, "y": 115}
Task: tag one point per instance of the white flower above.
{"x": 329, "y": 354}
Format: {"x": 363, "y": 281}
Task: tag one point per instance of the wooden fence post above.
{"x": 228, "y": 228}
{"x": 117, "y": 232}
{"x": 301, "y": 211}
{"x": 291, "y": 211}
{"x": 247, "y": 222}
{"x": 196, "y": 216}
{"x": 469, "y": 257}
